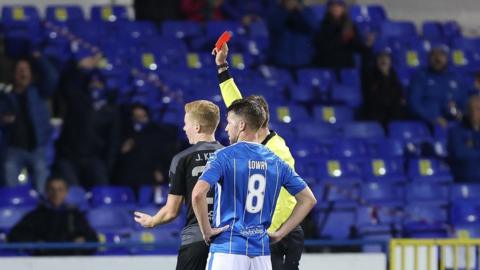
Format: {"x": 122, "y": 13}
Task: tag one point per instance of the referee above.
{"x": 285, "y": 254}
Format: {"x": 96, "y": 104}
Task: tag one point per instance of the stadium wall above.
{"x": 368, "y": 261}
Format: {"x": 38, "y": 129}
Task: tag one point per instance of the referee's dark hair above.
{"x": 250, "y": 111}
{"x": 263, "y": 103}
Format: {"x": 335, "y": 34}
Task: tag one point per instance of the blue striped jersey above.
{"x": 247, "y": 178}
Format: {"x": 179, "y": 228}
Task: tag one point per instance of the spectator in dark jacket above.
{"x": 146, "y": 151}
{"x": 464, "y": 145}
{"x": 158, "y": 11}
{"x": 54, "y": 221}
{"x": 25, "y": 120}
{"x": 436, "y": 95}
{"x": 291, "y": 26}
{"x": 382, "y": 91}
{"x": 337, "y": 39}
{"x": 201, "y": 10}
{"x": 90, "y": 138}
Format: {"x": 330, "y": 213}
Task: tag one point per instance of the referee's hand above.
{"x": 221, "y": 55}
{"x": 144, "y": 219}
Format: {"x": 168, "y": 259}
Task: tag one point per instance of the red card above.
{"x": 225, "y": 37}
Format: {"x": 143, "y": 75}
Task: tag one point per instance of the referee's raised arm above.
{"x": 229, "y": 89}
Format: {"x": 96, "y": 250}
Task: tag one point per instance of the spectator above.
{"x": 476, "y": 85}
{"x": 382, "y": 91}
{"x": 337, "y": 39}
{"x": 146, "y": 151}
{"x": 435, "y": 94}
{"x": 54, "y": 221}
{"x": 25, "y": 120}
{"x": 246, "y": 11}
{"x": 464, "y": 144}
{"x": 157, "y": 11}
{"x": 201, "y": 10}
{"x": 90, "y": 138}
{"x": 291, "y": 26}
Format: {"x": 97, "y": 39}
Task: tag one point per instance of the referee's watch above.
{"x": 224, "y": 65}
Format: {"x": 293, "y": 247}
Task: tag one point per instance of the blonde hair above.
{"x": 205, "y": 112}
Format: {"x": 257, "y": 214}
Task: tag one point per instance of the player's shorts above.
{"x": 224, "y": 261}
{"x": 193, "y": 256}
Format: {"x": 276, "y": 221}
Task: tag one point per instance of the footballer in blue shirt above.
{"x": 247, "y": 178}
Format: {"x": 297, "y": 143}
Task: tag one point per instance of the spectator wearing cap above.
{"x": 90, "y": 137}
{"x": 25, "y": 119}
{"x": 291, "y": 26}
{"x": 382, "y": 91}
{"x": 436, "y": 95}
{"x": 337, "y": 39}
{"x": 464, "y": 144}
{"x": 146, "y": 150}
{"x": 54, "y": 221}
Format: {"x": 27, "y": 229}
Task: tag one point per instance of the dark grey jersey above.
{"x": 185, "y": 169}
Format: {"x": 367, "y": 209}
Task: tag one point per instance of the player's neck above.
{"x": 249, "y": 137}
{"x": 204, "y": 138}
{"x": 263, "y": 133}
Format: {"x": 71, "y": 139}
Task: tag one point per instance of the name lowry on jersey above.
{"x": 257, "y": 165}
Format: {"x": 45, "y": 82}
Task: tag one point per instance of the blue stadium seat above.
{"x": 382, "y": 193}
{"x": 215, "y": 28}
{"x": 350, "y": 77}
{"x": 168, "y": 239}
{"x": 307, "y": 167}
{"x": 301, "y": 93}
{"x": 319, "y": 11}
{"x": 289, "y": 113}
{"x": 398, "y": 29}
{"x": 467, "y": 44}
{"x": 10, "y": 215}
{"x": 108, "y": 13}
{"x": 408, "y": 131}
{"x": 339, "y": 170}
{"x": 452, "y": 29}
{"x": 464, "y": 212}
{"x": 276, "y": 75}
{"x": 347, "y": 95}
{"x": 427, "y": 192}
{"x": 410, "y": 58}
{"x": 149, "y": 195}
{"x": 12, "y": 14}
{"x": 384, "y": 170}
{"x": 383, "y": 219}
{"x": 258, "y": 28}
{"x": 181, "y": 29}
{"x": 466, "y": 231}
{"x": 335, "y": 223}
{"x": 377, "y": 13}
{"x": 18, "y": 196}
{"x": 112, "y": 196}
{"x": 333, "y": 114}
{"x": 321, "y": 78}
{"x": 465, "y": 192}
{"x": 109, "y": 218}
{"x": 62, "y": 14}
{"x": 363, "y": 130}
{"x": 353, "y": 148}
{"x": 424, "y": 169}
{"x": 359, "y": 13}
{"x": 425, "y": 220}
{"x": 305, "y": 130}
{"x": 78, "y": 197}
{"x": 310, "y": 148}
{"x": 432, "y": 30}
{"x": 113, "y": 237}
{"x": 386, "y": 147}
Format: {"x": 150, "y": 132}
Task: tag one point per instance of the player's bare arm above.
{"x": 305, "y": 202}
{"x": 199, "y": 204}
{"x": 166, "y": 214}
